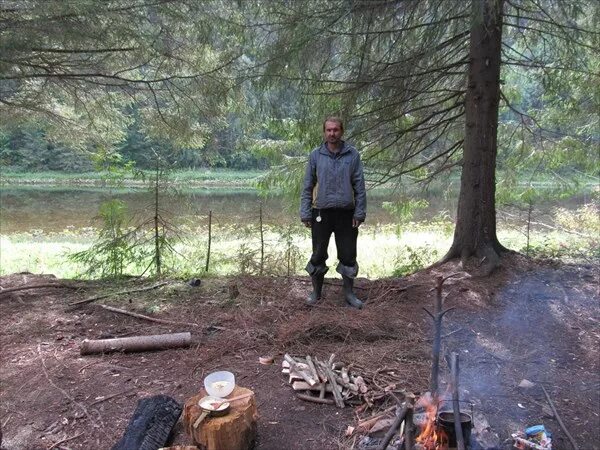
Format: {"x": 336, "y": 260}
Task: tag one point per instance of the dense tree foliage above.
{"x": 419, "y": 82}
{"x": 427, "y": 87}
{"x": 75, "y": 68}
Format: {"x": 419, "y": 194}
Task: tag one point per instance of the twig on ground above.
{"x": 131, "y": 291}
{"x": 65, "y": 393}
{"x": 36, "y": 286}
{"x": 56, "y": 444}
{"x": 310, "y": 398}
{"x": 100, "y": 400}
{"x": 448, "y": 334}
{"x": 560, "y": 422}
{"x": 151, "y": 319}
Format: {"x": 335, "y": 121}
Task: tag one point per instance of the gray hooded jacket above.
{"x": 334, "y": 180}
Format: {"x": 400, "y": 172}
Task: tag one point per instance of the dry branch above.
{"x": 310, "y": 398}
{"x": 337, "y": 391}
{"x": 437, "y": 316}
{"x": 366, "y": 424}
{"x": 99, "y": 297}
{"x": 103, "y": 399}
{"x": 560, "y": 422}
{"x": 62, "y": 441}
{"x": 312, "y": 367}
{"x": 36, "y": 286}
{"x": 62, "y": 391}
{"x": 136, "y": 343}
{"x": 151, "y": 319}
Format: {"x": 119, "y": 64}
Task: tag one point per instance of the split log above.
{"x": 136, "y": 343}
{"x": 337, "y": 391}
{"x": 234, "y": 431}
{"x": 304, "y": 386}
{"x": 319, "y": 367}
{"x": 151, "y": 424}
{"x": 351, "y": 387}
{"x": 359, "y": 382}
{"x": 295, "y": 374}
{"x": 344, "y": 374}
{"x": 294, "y": 367}
{"x": 322, "y": 377}
{"x": 312, "y": 368}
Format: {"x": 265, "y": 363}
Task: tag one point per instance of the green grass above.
{"x": 383, "y": 251}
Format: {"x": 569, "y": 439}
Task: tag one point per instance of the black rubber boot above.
{"x": 349, "y": 293}
{"x": 315, "y": 295}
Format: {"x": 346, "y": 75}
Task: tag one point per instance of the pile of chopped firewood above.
{"x": 334, "y": 382}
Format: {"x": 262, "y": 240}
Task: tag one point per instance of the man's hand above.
{"x": 306, "y": 223}
{"x": 356, "y": 223}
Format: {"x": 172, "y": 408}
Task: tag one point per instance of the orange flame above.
{"x": 430, "y": 437}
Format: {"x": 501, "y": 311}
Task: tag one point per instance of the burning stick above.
{"x": 392, "y": 431}
{"x": 408, "y": 430}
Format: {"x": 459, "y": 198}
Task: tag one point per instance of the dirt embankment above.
{"x": 529, "y": 320}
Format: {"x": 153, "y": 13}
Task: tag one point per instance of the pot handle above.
{"x": 201, "y": 417}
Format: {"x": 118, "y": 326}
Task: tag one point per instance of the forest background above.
{"x": 160, "y": 93}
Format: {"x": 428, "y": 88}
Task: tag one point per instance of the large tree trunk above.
{"x": 475, "y": 232}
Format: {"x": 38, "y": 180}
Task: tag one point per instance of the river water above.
{"x": 54, "y": 209}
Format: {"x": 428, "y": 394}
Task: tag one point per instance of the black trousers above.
{"x": 339, "y": 222}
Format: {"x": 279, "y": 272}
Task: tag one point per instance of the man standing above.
{"x": 333, "y": 200}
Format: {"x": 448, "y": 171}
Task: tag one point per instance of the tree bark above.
{"x": 136, "y": 343}
{"x": 475, "y": 232}
{"x": 234, "y": 431}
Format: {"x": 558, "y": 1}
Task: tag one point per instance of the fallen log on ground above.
{"x": 136, "y": 343}
{"x": 151, "y": 424}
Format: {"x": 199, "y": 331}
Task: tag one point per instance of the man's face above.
{"x": 333, "y": 133}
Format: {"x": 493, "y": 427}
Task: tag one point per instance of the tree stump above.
{"x": 234, "y": 431}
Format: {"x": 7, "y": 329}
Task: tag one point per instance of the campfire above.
{"x": 431, "y": 437}
{"x": 437, "y": 425}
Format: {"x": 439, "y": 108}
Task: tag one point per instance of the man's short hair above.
{"x": 334, "y": 119}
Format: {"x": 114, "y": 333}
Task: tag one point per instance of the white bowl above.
{"x": 219, "y": 384}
